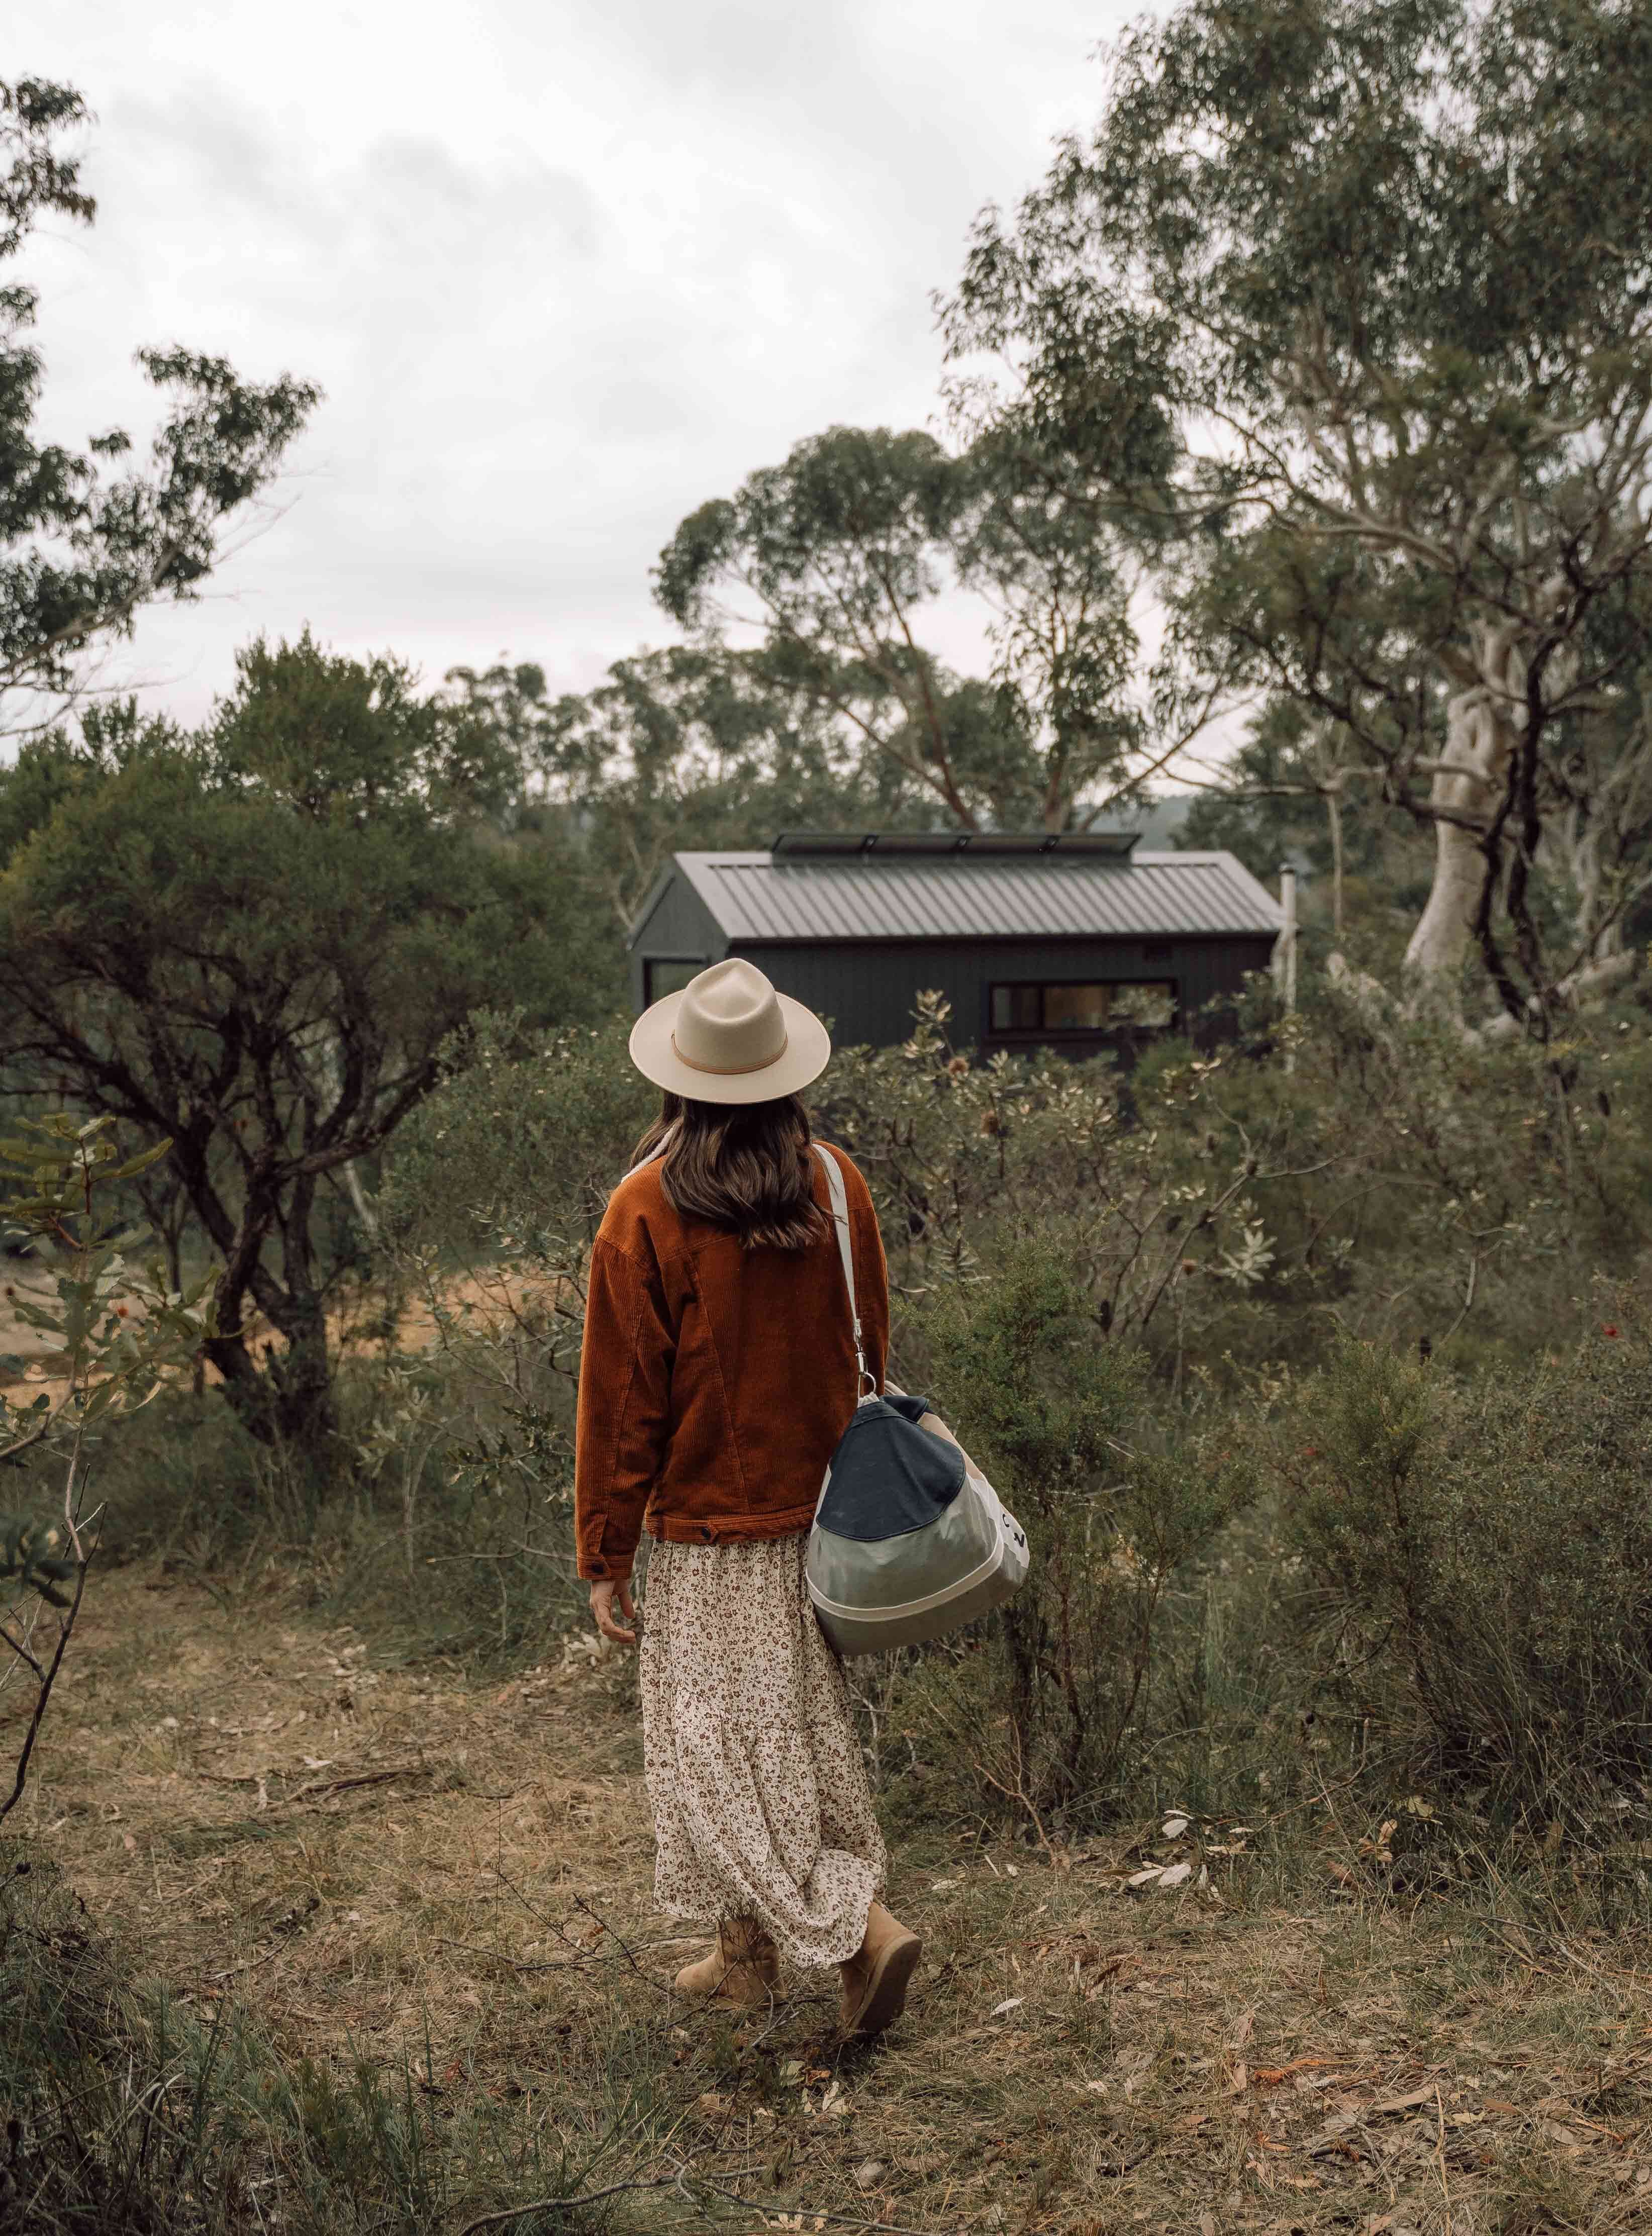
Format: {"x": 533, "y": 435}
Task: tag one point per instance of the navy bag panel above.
{"x": 888, "y": 1475}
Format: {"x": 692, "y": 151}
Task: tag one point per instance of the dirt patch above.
{"x": 489, "y": 1303}
{"x": 458, "y": 1880}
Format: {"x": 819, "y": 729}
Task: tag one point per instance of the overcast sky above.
{"x": 565, "y": 268}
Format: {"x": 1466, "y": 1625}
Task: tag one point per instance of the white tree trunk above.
{"x": 1468, "y": 784}
{"x": 1593, "y": 982}
{"x": 364, "y": 1210}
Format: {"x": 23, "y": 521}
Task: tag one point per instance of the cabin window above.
{"x": 668, "y": 974}
{"x": 1087, "y": 1006}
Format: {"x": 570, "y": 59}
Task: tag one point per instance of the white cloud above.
{"x": 564, "y": 272}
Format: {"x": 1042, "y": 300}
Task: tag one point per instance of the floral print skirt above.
{"x": 761, "y": 1808}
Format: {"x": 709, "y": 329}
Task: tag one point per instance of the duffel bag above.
{"x": 910, "y": 1540}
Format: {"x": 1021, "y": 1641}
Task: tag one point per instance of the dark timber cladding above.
{"x": 1075, "y": 942}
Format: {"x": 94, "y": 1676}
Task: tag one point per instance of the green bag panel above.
{"x": 886, "y": 1572}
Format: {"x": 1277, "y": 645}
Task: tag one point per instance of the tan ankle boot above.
{"x": 744, "y": 1967}
{"x": 874, "y": 1980}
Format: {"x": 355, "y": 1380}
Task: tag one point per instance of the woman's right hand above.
{"x": 604, "y": 1596}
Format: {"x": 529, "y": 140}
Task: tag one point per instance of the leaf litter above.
{"x": 1068, "y": 2061}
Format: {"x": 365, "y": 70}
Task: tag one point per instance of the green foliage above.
{"x": 832, "y": 553}
{"x": 30, "y": 1554}
{"x": 1059, "y": 574}
{"x": 254, "y": 942}
{"x": 519, "y": 1146}
{"x": 1035, "y": 1396}
{"x": 1097, "y": 1275}
{"x": 1350, "y": 299}
{"x": 114, "y": 1329}
{"x": 490, "y": 1203}
{"x": 1224, "y": 1212}
{"x": 1048, "y": 1709}
{"x": 458, "y": 1537}
{"x": 1284, "y": 795}
{"x": 127, "y": 2113}
{"x": 835, "y": 553}
{"x": 83, "y": 547}
{"x": 859, "y": 509}
{"x": 1155, "y": 1192}
{"x": 440, "y": 1512}
{"x": 441, "y": 1523}
{"x": 696, "y": 745}
{"x": 1490, "y": 1544}
{"x": 351, "y": 742}
{"x": 1176, "y": 1645}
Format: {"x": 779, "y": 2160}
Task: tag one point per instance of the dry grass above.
{"x": 389, "y": 1862}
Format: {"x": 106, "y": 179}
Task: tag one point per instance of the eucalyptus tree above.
{"x": 837, "y": 557}
{"x": 1351, "y": 300}
{"x": 87, "y": 538}
{"x": 1061, "y": 588}
{"x": 703, "y": 745}
{"x": 1291, "y": 791}
{"x": 832, "y": 555}
{"x": 254, "y": 941}
{"x": 509, "y": 705}
{"x": 699, "y": 744}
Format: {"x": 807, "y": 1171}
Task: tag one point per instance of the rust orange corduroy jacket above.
{"x": 714, "y": 1381}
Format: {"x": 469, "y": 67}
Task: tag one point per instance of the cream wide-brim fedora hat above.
{"x": 729, "y": 1037}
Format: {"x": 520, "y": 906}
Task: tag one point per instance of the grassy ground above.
{"x": 402, "y": 1879}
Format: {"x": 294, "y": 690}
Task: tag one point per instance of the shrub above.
{"x": 1214, "y": 1205}
{"x": 524, "y": 1138}
{"x": 1214, "y": 1216}
{"x": 1047, "y": 1710}
{"x": 441, "y": 1522}
{"x": 1156, "y": 1195}
{"x": 459, "y": 1534}
{"x": 1490, "y": 1543}
{"x": 126, "y": 2116}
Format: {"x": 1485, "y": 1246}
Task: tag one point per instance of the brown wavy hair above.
{"x": 746, "y": 1167}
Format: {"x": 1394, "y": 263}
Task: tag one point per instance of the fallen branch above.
{"x": 510, "y": 2213}
{"x": 1126, "y": 2165}
{"x": 811, "y": 2213}
{"x": 516, "y": 1963}
{"x": 246, "y": 1964}
{"x": 317, "y": 1786}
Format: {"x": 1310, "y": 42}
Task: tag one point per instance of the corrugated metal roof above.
{"x": 757, "y": 897}
{"x": 883, "y": 843}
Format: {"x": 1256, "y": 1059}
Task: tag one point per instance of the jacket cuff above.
{"x": 606, "y": 1568}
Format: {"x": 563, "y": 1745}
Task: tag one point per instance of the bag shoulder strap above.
{"x": 841, "y": 1221}
{"x": 654, "y": 1153}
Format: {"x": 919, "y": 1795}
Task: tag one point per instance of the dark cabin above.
{"x": 1075, "y": 942}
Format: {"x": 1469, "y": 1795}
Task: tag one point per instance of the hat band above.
{"x": 731, "y": 1070}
